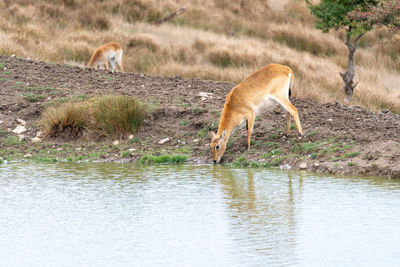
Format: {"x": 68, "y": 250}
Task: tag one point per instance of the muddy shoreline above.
{"x": 338, "y": 139}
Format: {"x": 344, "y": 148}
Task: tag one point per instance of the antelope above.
{"x": 260, "y": 90}
{"x": 106, "y": 54}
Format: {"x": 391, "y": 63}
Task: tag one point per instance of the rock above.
{"x": 21, "y": 121}
{"x": 130, "y": 137}
{"x": 205, "y": 95}
{"x": 39, "y": 134}
{"x": 131, "y": 149}
{"x": 19, "y": 129}
{"x": 162, "y": 141}
{"x": 78, "y": 149}
{"x": 303, "y": 166}
{"x": 116, "y": 143}
{"x": 316, "y": 165}
{"x": 36, "y": 140}
{"x": 21, "y": 137}
{"x": 385, "y": 111}
{"x": 29, "y": 155}
{"x": 1, "y": 122}
{"x": 196, "y": 140}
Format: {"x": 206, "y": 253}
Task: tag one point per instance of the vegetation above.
{"x": 226, "y": 42}
{"x": 357, "y": 18}
{"x": 69, "y": 118}
{"x": 176, "y": 159}
{"x": 103, "y": 116}
{"x": 117, "y": 115}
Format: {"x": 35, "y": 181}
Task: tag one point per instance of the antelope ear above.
{"x": 212, "y": 134}
{"x": 223, "y": 134}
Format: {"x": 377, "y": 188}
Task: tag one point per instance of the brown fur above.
{"x": 244, "y": 99}
{"x": 100, "y": 56}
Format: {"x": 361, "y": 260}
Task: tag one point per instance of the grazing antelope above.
{"x": 246, "y": 100}
{"x": 106, "y": 54}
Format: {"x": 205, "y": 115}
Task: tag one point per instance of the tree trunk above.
{"x": 348, "y": 75}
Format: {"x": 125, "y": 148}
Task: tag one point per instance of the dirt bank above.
{"x": 338, "y": 138}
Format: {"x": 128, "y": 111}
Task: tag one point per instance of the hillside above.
{"x": 338, "y": 138}
{"x": 213, "y": 40}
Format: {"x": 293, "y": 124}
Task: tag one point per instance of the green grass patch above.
{"x": 174, "y": 159}
{"x": 184, "y": 150}
{"x": 313, "y": 132}
{"x": 309, "y": 147}
{"x": 273, "y": 136}
{"x": 272, "y": 144}
{"x": 184, "y": 122}
{"x": 3, "y": 79}
{"x": 39, "y": 89}
{"x": 241, "y": 162}
{"x": 271, "y": 153}
{"x": 126, "y": 153}
{"x": 32, "y": 97}
{"x": 6, "y": 72}
{"x": 351, "y": 154}
{"x": 11, "y": 140}
{"x": 204, "y": 131}
{"x": 44, "y": 159}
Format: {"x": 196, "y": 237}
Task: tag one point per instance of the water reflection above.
{"x": 262, "y": 211}
{"x": 193, "y": 215}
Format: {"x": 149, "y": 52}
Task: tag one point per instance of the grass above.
{"x": 32, "y": 97}
{"x": 69, "y": 118}
{"x": 271, "y": 153}
{"x": 184, "y": 122}
{"x": 11, "y": 140}
{"x": 117, "y": 115}
{"x": 174, "y": 159}
{"x": 126, "y": 153}
{"x": 102, "y": 116}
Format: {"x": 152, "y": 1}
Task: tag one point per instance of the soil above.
{"x": 337, "y": 138}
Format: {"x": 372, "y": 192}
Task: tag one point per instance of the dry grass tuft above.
{"x": 109, "y": 116}
{"x": 68, "y": 120}
{"x": 117, "y": 115}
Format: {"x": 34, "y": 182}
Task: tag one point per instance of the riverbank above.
{"x": 338, "y": 138}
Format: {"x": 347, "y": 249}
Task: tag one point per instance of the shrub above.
{"x": 68, "y": 119}
{"x": 117, "y": 115}
{"x": 108, "y": 116}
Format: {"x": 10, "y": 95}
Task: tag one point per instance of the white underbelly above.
{"x": 266, "y": 103}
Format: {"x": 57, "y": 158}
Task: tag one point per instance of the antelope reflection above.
{"x": 262, "y": 207}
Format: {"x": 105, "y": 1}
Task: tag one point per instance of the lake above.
{"x": 114, "y": 214}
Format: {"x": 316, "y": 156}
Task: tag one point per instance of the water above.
{"x": 105, "y": 214}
